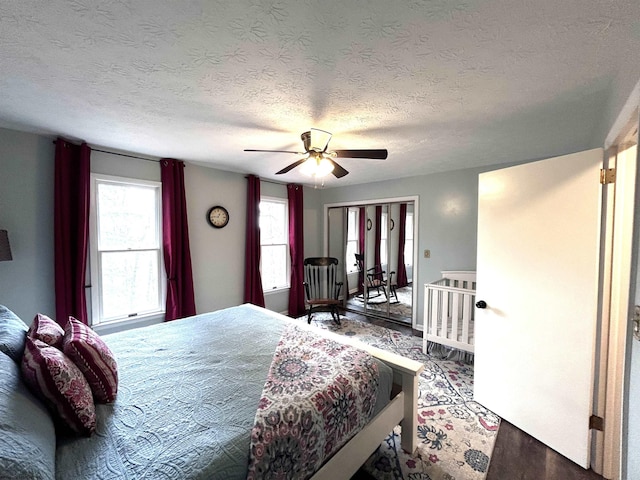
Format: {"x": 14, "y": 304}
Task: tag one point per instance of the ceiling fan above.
{"x": 319, "y": 161}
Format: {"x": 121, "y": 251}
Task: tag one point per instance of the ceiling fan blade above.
{"x": 274, "y": 151}
{"x": 291, "y": 167}
{"x": 370, "y": 154}
{"x": 319, "y": 139}
{"x": 338, "y": 171}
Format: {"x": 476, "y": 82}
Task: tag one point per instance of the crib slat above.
{"x": 433, "y": 295}
{"x": 455, "y": 315}
{"x": 442, "y": 298}
{"x": 466, "y": 318}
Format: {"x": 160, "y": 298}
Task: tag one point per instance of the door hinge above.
{"x": 607, "y": 175}
{"x": 596, "y": 423}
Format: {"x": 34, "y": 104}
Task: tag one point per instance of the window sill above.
{"x": 128, "y": 323}
{"x": 276, "y": 290}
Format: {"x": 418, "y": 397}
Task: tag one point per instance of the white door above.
{"x": 537, "y": 271}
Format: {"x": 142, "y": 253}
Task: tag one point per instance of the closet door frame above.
{"x": 415, "y": 199}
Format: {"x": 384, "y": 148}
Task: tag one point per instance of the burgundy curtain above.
{"x": 71, "y": 228}
{"x": 402, "y": 231}
{"x": 362, "y": 231}
{"x": 252, "y": 281}
{"x": 378, "y": 231}
{"x": 175, "y": 241}
{"x": 296, "y": 248}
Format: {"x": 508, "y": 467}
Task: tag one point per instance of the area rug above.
{"x": 456, "y": 435}
{"x": 400, "y": 307}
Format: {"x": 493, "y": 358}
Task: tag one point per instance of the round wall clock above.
{"x": 218, "y": 216}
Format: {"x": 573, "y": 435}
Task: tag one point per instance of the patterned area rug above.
{"x": 456, "y": 434}
{"x": 400, "y": 308}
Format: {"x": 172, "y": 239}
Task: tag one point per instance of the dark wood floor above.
{"x": 516, "y": 455}
{"x": 519, "y": 456}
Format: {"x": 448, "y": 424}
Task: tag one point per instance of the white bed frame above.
{"x": 449, "y": 311}
{"x": 401, "y": 410}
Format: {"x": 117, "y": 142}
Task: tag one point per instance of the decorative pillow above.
{"x": 13, "y": 331}
{"x": 94, "y": 359}
{"x": 46, "y": 330}
{"x": 52, "y": 376}
{"x": 27, "y": 434}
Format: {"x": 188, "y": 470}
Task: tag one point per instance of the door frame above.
{"x": 618, "y": 287}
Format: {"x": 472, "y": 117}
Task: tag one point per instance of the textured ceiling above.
{"x": 442, "y": 84}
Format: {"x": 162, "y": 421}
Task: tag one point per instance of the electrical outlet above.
{"x": 427, "y": 254}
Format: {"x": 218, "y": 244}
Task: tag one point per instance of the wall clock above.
{"x": 218, "y": 216}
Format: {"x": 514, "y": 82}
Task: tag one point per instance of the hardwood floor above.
{"x": 519, "y": 456}
{"x": 516, "y": 455}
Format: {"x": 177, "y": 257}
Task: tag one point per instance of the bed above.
{"x": 186, "y": 404}
{"x": 449, "y": 311}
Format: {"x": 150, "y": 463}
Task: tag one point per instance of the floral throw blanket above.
{"x": 318, "y": 394}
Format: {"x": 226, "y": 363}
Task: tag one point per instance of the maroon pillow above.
{"x": 46, "y": 330}
{"x": 52, "y": 376}
{"x": 94, "y": 359}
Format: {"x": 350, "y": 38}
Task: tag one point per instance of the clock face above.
{"x": 218, "y": 216}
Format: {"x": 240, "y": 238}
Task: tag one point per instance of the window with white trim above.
{"x": 275, "y": 264}
{"x": 408, "y": 240}
{"x": 383, "y": 238}
{"x": 353, "y": 235}
{"x": 126, "y": 249}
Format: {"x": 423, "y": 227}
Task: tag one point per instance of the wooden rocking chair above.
{"x": 376, "y": 279}
{"x": 321, "y": 287}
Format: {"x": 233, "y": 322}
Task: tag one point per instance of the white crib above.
{"x": 449, "y": 310}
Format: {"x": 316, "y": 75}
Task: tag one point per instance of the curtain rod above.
{"x": 158, "y": 161}
{"x": 270, "y": 181}
{"x": 120, "y": 154}
{"x": 125, "y": 155}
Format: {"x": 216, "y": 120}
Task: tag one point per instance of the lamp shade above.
{"x": 5, "y": 248}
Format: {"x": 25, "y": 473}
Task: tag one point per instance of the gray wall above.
{"x": 119, "y": 166}
{"x": 447, "y": 218}
{"x": 217, "y": 254}
{"x": 26, "y": 211}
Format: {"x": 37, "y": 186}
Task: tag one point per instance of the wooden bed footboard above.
{"x": 401, "y": 410}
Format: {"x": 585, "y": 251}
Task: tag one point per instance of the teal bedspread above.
{"x": 187, "y": 400}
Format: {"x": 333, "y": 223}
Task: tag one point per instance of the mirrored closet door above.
{"x": 374, "y": 243}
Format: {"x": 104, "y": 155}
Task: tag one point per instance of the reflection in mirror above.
{"x": 336, "y": 232}
{"x": 374, "y": 243}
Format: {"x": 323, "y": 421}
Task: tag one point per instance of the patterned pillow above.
{"x": 46, "y": 330}
{"x": 94, "y": 359}
{"x": 52, "y": 376}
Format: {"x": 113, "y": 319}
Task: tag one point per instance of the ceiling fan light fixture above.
{"x": 317, "y": 167}
{"x": 319, "y": 161}
{"x": 319, "y": 139}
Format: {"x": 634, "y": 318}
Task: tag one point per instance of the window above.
{"x": 274, "y": 243}
{"x": 408, "y": 240}
{"x": 126, "y": 249}
{"x": 352, "y": 239}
